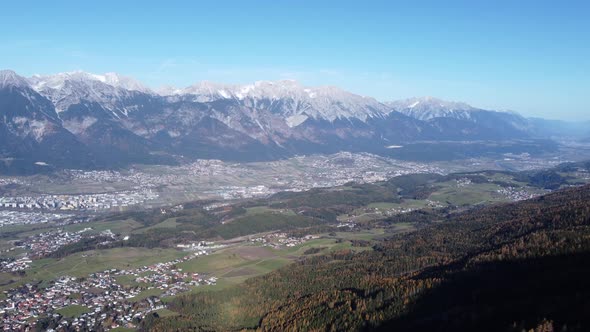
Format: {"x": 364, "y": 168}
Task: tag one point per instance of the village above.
{"x": 516, "y": 194}
{"x": 44, "y": 244}
{"x": 102, "y": 299}
{"x": 281, "y": 240}
{"x": 15, "y": 264}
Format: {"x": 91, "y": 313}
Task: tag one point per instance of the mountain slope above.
{"x": 115, "y": 93}
{"x": 508, "y": 267}
{"x": 428, "y": 108}
{"x": 455, "y": 120}
{"x": 560, "y": 129}
{"x": 32, "y": 135}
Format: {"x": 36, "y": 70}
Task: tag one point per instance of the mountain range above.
{"x": 83, "y": 120}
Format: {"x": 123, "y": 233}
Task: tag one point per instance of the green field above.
{"x": 73, "y": 311}
{"x": 123, "y": 329}
{"x": 147, "y": 293}
{"x": 236, "y": 264}
{"x": 117, "y": 226}
{"x": 378, "y": 210}
{"x": 368, "y": 235}
{"x": 168, "y": 223}
{"x": 468, "y": 195}
{"x": 166, "y": 313}
{"x": 128, "y": 280}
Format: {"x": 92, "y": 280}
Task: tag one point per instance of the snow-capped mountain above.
{"x": 290, "y": 99}
{"x": 427, "y": 108}
{"x": 115, "y": 80}
{"x": 21, "y": 102}
{"x": 112, "y": 119}
{"x": 124, "y": 82}
{"x": 10, "y": 79}
{"x": 461, "y": 117}
{"x": 205, "y": 91}
{"x": 110, "y": 90}
{"x": 31, "y": 133}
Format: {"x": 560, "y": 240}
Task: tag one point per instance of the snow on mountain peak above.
{"x": 10, "y": 78}
{"x": 208, "y": 91}
{"x": 326, "y": 102}
{"x": 426, "y": 108}
{"x": 430, "y": 102}
{"x": 69, "y": 88}
{"x": 58, "y": 81}
{"x": 124, "y": 82}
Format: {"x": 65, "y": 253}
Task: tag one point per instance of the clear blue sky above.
{"x": 528, "y": 56}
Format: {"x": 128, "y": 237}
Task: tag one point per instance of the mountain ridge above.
{"x": 207, "y": 91}
{"x": 112, "y": 112}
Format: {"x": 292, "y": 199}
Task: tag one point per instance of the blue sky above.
{"x": 529, "y": 56}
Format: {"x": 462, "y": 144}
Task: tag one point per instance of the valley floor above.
{"x": 355, "y": 256}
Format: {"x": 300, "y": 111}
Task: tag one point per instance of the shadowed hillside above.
{"x": 508, "y": 267}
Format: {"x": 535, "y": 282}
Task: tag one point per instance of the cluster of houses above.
{"x": 215, "y": 206}
{"x": 434, "y": 204}
{"x": 15, "y": 265}
{"x": 10, "y": 180}
{"x": 83, "y": 202}
{"x": 516, "y": 194}
{"x": 281, "y": 240}
{"x": 238, "y": 192}
{"x": 463, "y": 182}
{"x": 173, "y": 209}
{"x": 12, "y": 217}
{"x": 25, "y": 304}
{"x": 385, "y": 212}
{"x": 201, "y": 247}
{"x": 348, "y": 223}
{"x": 167, "y": 277}
{"x": 102, "y": 297}
{"x": 43, "y": 244}
{"x": 344, "y": 167}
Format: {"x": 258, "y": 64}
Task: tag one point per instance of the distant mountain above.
{"x": 456, "y": 119}
{"x": 561, "y": 129}
{"x": 428, "y": 108}
{"x": 33, "y": 138}
{"x": 114, "y": 93}
{"x": 292, "y": 101}
{"x": 113, "y": 120}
